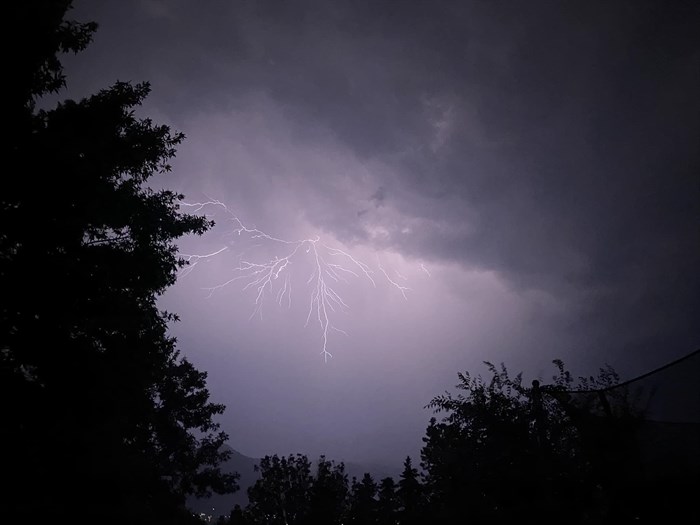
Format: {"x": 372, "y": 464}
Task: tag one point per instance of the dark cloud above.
{"x": 542, "y": 156}
{"x": 378, "y": 197}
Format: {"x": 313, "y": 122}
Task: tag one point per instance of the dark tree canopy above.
{"x": 329, "y": 493}
{"x": 363, "y": 500}
{"x": 293, "y": 491}
{"x": 35, "y": 67}
{"x": 505, "y": 452}
{"x": 99, "y": 411}
{"x": 387, "y": 502}
{"x": 410, "y": 494}
{"x": 288, "y": 493}
{"x": 282, "y": 494}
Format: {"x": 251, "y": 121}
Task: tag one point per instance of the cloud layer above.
{"x": 540, "y": 160}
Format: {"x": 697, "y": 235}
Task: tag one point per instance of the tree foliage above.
{"x": 329, "y": 493}
{"x": 288, "y": 493}
{"x": 503, "y": 451}
{"x": 291, "y": 491}
{"x": 363, "y": 500}
{"x": 282, "y": 493}
{"x": 35, "y": 67}
{"x": 410, "y": 495}
{"x": 387, "y": 502}
{"x": 99, "y": 409}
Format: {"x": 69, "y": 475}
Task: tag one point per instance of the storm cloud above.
{"x": 529, "y": 169}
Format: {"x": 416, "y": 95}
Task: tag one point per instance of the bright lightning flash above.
{"x": 330, "y": 267}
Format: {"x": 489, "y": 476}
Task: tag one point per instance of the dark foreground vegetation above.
{"x": 572, "y": 451}
{"x": 95, "y": 400}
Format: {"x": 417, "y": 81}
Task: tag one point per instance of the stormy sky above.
{"x": 528, "y": 170}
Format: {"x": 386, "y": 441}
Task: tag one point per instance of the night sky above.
{"x": 530, "y": 170}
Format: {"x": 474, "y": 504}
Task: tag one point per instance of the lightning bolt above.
{"x": 330, "y": 266}
{"x": 401, "y": 288}
{"x": 422, "y": 267}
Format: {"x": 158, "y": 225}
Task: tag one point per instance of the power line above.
{"x": 638, "y": 378}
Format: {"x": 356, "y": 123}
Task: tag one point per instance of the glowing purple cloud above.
{"x": 329, "y": 266}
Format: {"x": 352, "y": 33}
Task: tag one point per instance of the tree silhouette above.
{"x": 363, "y": 502}
{"x": 505, "y": 452}
{"x": 288, "y": 493}
{"x": 387, "y": 502}
{"x": 282, "y": 493}
{"x": 34, "y": 66}
{"x": 99, "y": 411}
{"x": 237, "y": 516}
{"x": 329, "y": 493}
{"x": 410, "y": 495}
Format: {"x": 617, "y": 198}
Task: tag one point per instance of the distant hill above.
{"x": 218, "y": 504}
